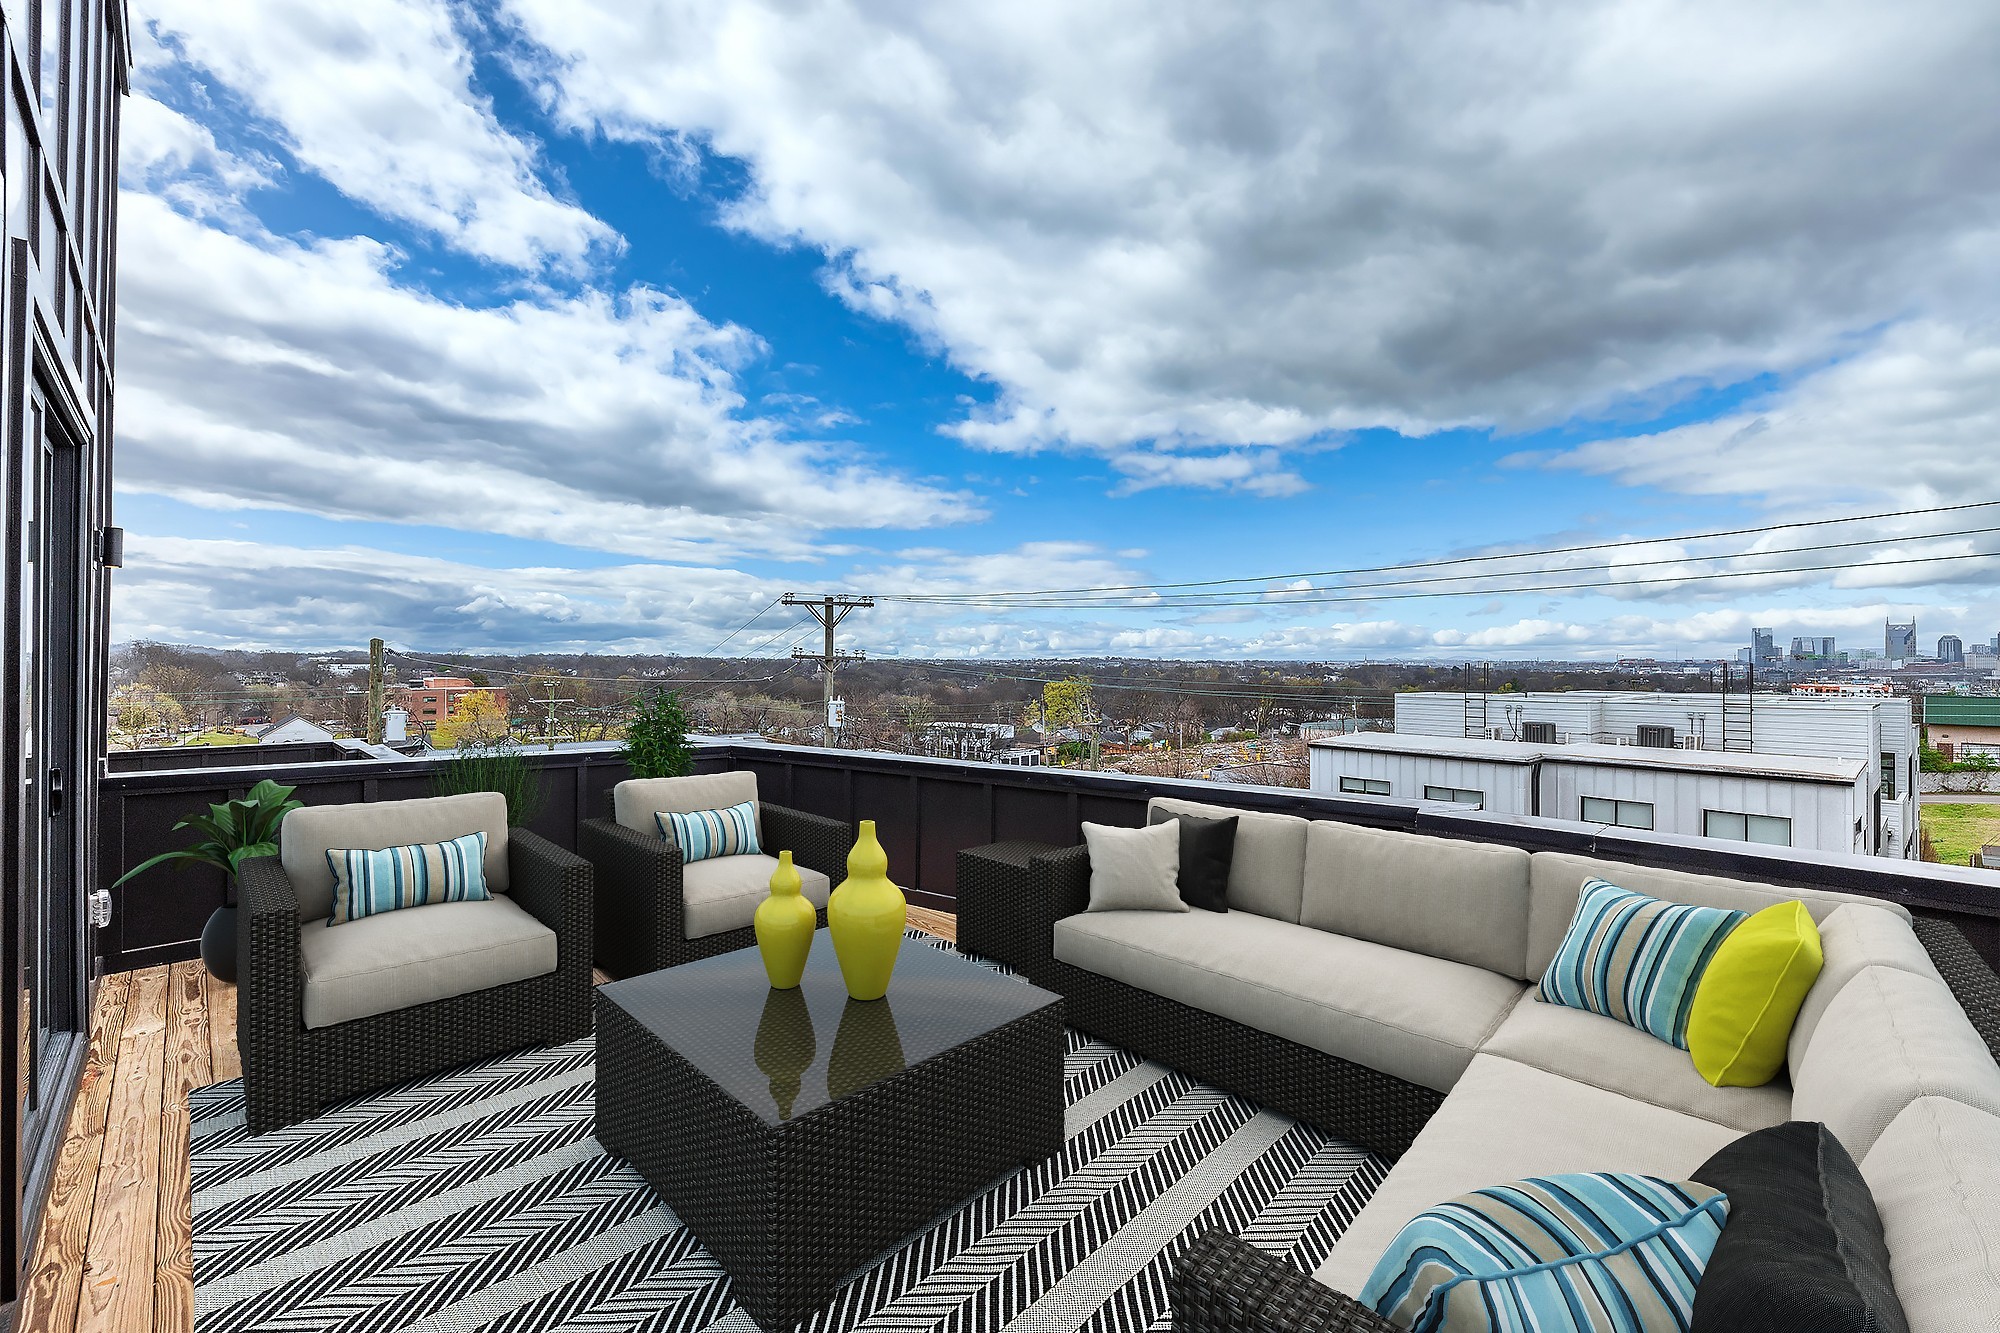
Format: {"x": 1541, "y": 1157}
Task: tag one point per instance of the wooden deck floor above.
{"x": 116, "y": 1249}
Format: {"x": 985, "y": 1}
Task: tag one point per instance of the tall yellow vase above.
{"x": 784, "y": 923}
{"x": 866, "y": 916}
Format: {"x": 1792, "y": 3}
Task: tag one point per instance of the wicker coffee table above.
{"x": 801, "y": 1134}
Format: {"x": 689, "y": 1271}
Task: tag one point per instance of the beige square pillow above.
{"x": 1135, "y": 869}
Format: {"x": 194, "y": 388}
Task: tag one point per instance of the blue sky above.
{"x": 544, "y": 323}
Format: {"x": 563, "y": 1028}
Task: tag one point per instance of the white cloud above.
{"x": 1235, "y": 227}
{"x": 377, "y": 96}
{"x": 261, "y": 371}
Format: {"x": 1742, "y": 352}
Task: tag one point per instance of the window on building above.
{"x": 1657, "y": 738}
{"x": 1624, "y": 814}
{"x": 1539, "y": 733}
{"x": 1365, "y": 786}
{"x": 1889, "y": 767}
{"x": 1771, "y": 830}
{"x": 1459, "y": 795}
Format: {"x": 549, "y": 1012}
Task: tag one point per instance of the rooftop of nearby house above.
{"x": 1798, "y": 768}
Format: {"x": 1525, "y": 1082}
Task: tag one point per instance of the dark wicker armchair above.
{"x": 290, "y": 1070}
{"x": 641, "y": 910}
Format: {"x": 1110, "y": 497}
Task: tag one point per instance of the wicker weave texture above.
{"x": 641, "y": 921}
{"x": 789, "y": 1209}
{"x": 1013, "y": 896}
{"x": 1971, "y": 980}
{"x": 290, "y": 1071}
{"x": 1222, "y": 1285}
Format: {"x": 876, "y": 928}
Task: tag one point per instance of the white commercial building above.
{"x": 1833, "y": 774}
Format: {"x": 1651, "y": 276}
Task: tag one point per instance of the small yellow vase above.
{"x": 785, "y": 922}
{"x": 866, "y": 916}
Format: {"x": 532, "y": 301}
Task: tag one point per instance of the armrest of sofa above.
{"x": 1010, "y": 896}
{"x": 555, "y": 887}
{"x": 1971, "y": 979}
{"x": 1222, "y": 1285}
{"x": 638, "y": 886}
{"x": 270, "y": 988}
{"x": 815, "y": 842}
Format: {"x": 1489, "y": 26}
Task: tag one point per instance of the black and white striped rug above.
{"x": 479, "y": 1200}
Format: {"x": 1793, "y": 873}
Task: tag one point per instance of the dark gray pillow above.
{"x": 1208, "y": 847}
{"x": 1803, "y": 1248}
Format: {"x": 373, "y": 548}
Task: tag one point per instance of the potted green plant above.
{"x": 500, "y": 766}
{"x": 234, "y": 831}
{"x": 656, "y": 744}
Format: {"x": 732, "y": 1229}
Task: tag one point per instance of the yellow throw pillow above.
{"x": 1749, "y": 996}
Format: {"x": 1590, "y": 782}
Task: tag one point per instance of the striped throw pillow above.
{"x": 1636, "y": 959}
{"x": 368, "y": 883}
{"x": 1594, "y": 1253}
{"x": 701, "y": 834}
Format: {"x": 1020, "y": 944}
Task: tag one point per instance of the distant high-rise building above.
{"x": 1951, "y": 650}
{"x": 1763, "y": 647}
{"x": 1899, "y": 641}
{"x": 1809, "y": 645}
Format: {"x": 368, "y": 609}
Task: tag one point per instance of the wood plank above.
{"x": 942, "y": 924}
{"x": 49, "y": 1296}
{"x": 117, "y": 1293}
{"x": 225, "y": 1061}
{"x": 187, "y": 1067}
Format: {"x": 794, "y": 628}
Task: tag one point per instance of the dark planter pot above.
{"x": 218, "y": 944}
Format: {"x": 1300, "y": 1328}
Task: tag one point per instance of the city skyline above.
{"x": 513, "y": 342}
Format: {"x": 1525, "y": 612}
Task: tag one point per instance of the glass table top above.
{"x": 783, "y": 1053}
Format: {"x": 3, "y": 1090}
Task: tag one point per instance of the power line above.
{"x": 1508, "y": 555}
{"x": 1280, "y": 594}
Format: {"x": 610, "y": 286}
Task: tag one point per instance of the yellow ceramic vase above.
{"x": 866, "y": 916}
{"x": 784, "y": 924}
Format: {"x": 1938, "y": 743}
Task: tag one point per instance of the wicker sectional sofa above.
{"x": 1379, "y": 984}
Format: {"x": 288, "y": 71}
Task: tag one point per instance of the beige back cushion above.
{"x": 1935, "y": 1175}
{"x": 1465, "y": 901}
{"x": 1853, "y": 938}
{"x": 1268, "y": 875}
{"x": 1555, "y": 881}
{"x": 307, "y": 835}
{"x": 1888, "y": 1038}
{"x": 637, "y": 800}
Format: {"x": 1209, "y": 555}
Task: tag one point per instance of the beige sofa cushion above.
{"x": 635, "y": 801}
{"x": 1268, "y": 872}
{"x": 1888, "y": 1038}
{"x": 417, "y": 955}
{"x": 308, "y": 834}
{"x": 1620, "y": 1058}
{"x": 1466, "y": 901}
{"x": 1406, "y": 1014}
{"x": 722, "y": 892}
{"x": 1854, "y": 937}
{"x": 1935, "y": 1175}
{"x": 1507, "y": 1121}
{"x": 1555, "y": 880}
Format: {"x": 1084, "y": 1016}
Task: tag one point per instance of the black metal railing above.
{"x": 926, "y": 811}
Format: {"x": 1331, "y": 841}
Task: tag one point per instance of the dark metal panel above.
{"x": 818, "y": 790}
{"x": 890, "y": 799}
{"x": 1108, "y": 808}
{"x": 954, "y": 815}
{"x": 1032, "y": 815}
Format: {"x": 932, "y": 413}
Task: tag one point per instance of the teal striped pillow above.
{"x": 1636, "y": 959}
{"x": 1594, "y": 1253}
{"x": 368, "y": 883}
{"x": 701, "y": 834}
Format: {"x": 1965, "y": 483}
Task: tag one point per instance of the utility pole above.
{"x": 829, "y": 611}
{"x": 375, "y": 692}
{"x": 549, "y": 718}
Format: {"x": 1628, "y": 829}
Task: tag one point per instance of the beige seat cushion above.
{"x": 1466, "y": 901}
{"x": 1555, "y": 880}
{"x": 1935, "y": 1175}
{"x": 1416, "y": 1017}
{"x": 1507, "y": 1121}
{"x": 1888, "y": 1038}
{"x": 1267, "y": 875}
{"x": 308, "y": 834}
{"x": 1591, "y": 1048}
{"x": 417, "y": 955}
{"x": 722, "y": 892}
{"x": 1854, "y": 937}
{"x": 635, "y": 801}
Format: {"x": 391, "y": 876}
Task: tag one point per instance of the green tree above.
{"x": 476, "y": 718}
{"x": 656, "y": 744}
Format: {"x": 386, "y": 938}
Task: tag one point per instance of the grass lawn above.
{"x": 219, "y": 738}
{"x": 1957, "y": 831}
